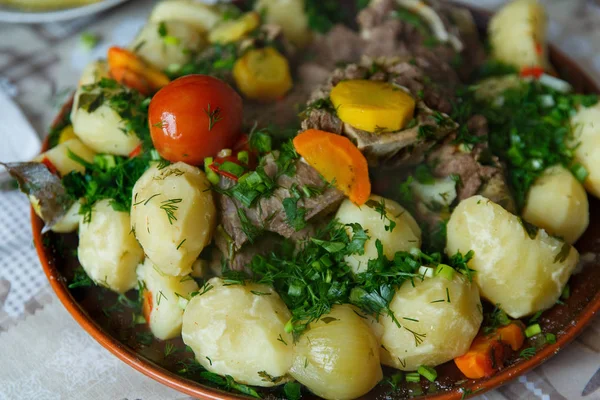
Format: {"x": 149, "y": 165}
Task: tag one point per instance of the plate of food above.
{"x": 312, "y": 200}
{"x": 36, "y": 11}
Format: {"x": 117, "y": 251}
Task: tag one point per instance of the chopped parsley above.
{"x": 531, "y": 137}
{"x": 105, "y": 180}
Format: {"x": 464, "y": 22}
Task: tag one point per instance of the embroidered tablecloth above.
{"x": 44, "y": 354}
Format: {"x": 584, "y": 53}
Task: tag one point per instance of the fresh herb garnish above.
{"x": 169, "y": 207}
{"x": 379, "y": 207}
{"x": 214, "y": 116}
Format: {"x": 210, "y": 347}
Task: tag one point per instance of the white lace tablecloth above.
{"x": 44, "y": 354}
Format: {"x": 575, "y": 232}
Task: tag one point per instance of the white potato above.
{"x": 290, "y": 15}
{"x": 108, "y": 251}
{"x": 173, "y": 216}
{"x": 177, "y": 47}
{"x": 439, "y": 319}
{"x": 517, "y": 34}
{"x": 521, "y": 274}
{"x": 94, "y": 72}
{"x": 239, "y": 330}
{"x": 70, "y": 222}
{"x": 404, "y": 236}
{"x": 59, "y": 156}
{"x": 162, "y": 299}
{"x": 557, "y": 202}
{"x": 338, "y": 357}
{"x": 586, "y": 135}
{"x": 201, "y": 16}
{"x": 102, "y": 130}
{"x": 442, "y": 191}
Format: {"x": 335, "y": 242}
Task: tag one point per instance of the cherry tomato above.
{"x": 194, "y": 117}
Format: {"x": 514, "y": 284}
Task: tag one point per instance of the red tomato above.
{"x": 194, "y": 117}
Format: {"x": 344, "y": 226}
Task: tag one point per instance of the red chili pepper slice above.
{"x": 534, "y": 72}
{"x": 51, "y": 167}
{"x": 136, "y": 152}
{"x": 220, "y": 160}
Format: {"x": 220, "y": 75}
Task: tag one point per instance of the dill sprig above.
{"x": 170, "y": 206}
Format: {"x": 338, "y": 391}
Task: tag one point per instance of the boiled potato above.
{"x": 517, "y": 34}
{"x": 173, "y": 216}
{"x": 108, "y": 251}
{"x": 201, "y": 16}
{"x": 439, "y": 318}
{"x": 58, "y": 156}
{"x": 405, "y": 235}
{"x": 176, "y": 47}
{"x": 442, "y": 191}
{"x": 557, "y": 202}
{"x": 586, "y": 135}
{"x": 102, "y": 130}
{"x": 94, "y": 72}
{"x": 234, "y": 30}
{"x": 290, "y": 15}
{"x": 70, "y": 222}
{"x": 521, "y": 274}
{"x": 239, "y": 330}
{"x": 162, "y": 294}
{"x": 338, "y": 357}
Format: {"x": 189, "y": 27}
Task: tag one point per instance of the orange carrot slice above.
{"x": 483, "y": 359}
{"x": 511, "y": 334}
{"x": 487, "y": 354}
{"x": 338, "y": 160}
{"x": 127, "y": 68}
{"x": 147, "y": 305}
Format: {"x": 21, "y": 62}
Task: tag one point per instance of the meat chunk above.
{"x": 390, "y": 30}
{"x": 269, "y": 214}
{"x": 405, "y": 147}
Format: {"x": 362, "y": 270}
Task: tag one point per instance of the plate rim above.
{"x": 35, "y": 17}
{"x": 194, "y": 388}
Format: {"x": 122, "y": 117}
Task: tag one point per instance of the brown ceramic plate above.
{"x": 115, "y": 331}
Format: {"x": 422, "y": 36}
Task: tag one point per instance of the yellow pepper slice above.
{"x": 372, "y": 106}
{"x": 232, "y": 31}
{"x": 262, "y": 74}
{"x": 67, "y": 133}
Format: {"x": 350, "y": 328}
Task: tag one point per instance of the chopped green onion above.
{"x": 171, "y": 40}
{"x": 243, "y": 177}
{"x": 261, "y": 142}
{"x": 445, "y": 271}
{"x": 232, "y": 168}
{"x": 579, "y": 171}
{"x": 289, "y": 327}
{"x": 246, "y": 197}
{"x": 413, "y": 377}
{"x": 254, "y": 178}
{"x": 550, "y": 338}
{"x": 428, "y": 373}
{"x": 154, "y": 155}
{"x": 533, "y": 330}
{"x": 105, "y": 161}
{"x": 212, "y": 176}
{"x": 566, "y": 293}
{"x": 261, "y": 187}
{"x": 295, "y": 290}
{"x": 207, "y": 163}
{"x": 89, "y": 40}
{"x": 244, "y": 157}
